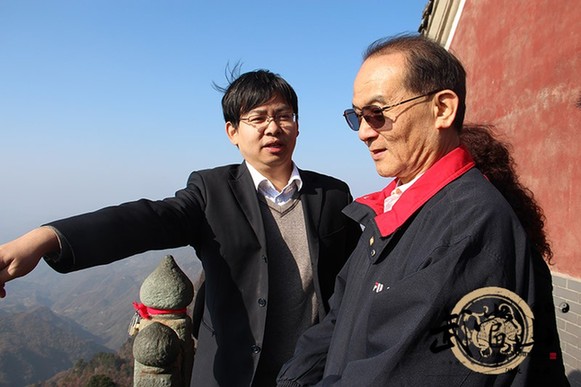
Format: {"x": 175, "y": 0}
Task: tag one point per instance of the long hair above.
{"x": 493, "y": 158}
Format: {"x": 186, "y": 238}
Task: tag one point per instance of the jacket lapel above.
{"x": 245, "y": 193}
{"x": 312, "y": 199}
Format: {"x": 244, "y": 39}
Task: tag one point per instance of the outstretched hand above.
{"x": 20, "y": 256}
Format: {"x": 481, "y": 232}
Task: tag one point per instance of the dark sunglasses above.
{"x": 374, "y": 115}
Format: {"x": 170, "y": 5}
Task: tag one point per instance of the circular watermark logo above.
{"x": 493, "y": 333}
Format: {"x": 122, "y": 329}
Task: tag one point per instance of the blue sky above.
{"x": 105, "y": 101}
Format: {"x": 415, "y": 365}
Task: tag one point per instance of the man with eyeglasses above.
{"x": 444, "y": 287}
{"x": 271, "y": 238}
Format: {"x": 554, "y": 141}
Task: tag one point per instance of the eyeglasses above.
{"x": 261, "y": 121}
{"x": 374, "y": 115}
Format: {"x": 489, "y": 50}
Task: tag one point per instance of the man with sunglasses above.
{"x": 444, "y": 287}
{"x": 271, "y": 238}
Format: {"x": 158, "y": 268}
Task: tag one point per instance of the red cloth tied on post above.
{"x": 146, "y": 312}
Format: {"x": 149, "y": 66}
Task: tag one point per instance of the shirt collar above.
{"x": 401, "y": 188}
{"x": 261, "y": 183}
{"x": 444, "y": 171}
{"x": 390, "y": 201}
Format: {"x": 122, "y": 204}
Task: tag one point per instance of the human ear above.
{"x": 446, "y": 108}
{"x": 232, "y": 133}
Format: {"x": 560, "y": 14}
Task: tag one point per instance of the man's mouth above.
{"x": 376, "y": 153}
{"x": 274, "y": 144}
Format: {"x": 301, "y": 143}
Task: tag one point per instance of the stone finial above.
{"x": 157, "y": 345}
{"x": 167, "y": 287}
{"x": 164, "y": 346}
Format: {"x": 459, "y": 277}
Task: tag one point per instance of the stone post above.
{"x": 163, "y": 347}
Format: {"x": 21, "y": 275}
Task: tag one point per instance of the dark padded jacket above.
{"x": 400, "y": 316}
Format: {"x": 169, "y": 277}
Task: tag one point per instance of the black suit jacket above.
{"x": 218, "y": 214}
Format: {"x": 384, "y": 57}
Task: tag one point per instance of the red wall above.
{"x": 523, "y": 60}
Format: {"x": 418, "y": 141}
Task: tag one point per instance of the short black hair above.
{"x": 252, "y": 89}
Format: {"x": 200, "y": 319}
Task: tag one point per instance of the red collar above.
{"x": 445, "y": 170}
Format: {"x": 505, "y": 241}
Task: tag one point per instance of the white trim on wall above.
{"x": 454, "y": 24}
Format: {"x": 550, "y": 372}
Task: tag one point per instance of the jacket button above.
{"x": 262, "y": 302}
{"x": 255, "y": 349}
{"x": 373, "y": 253}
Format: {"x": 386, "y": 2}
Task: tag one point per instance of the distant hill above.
{"x": 104, "y": 369}
{"x": 99, "y": 299}
{"x": 51, "y": 322}
{"x": 36, "y": 344}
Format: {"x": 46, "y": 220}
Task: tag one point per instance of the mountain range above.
{"x": 50, "y": 321}
{"x": 36, "y": 344}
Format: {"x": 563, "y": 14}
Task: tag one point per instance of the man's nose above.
{"x": 366, "y": 132}
{"x": 270, "y": 128}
